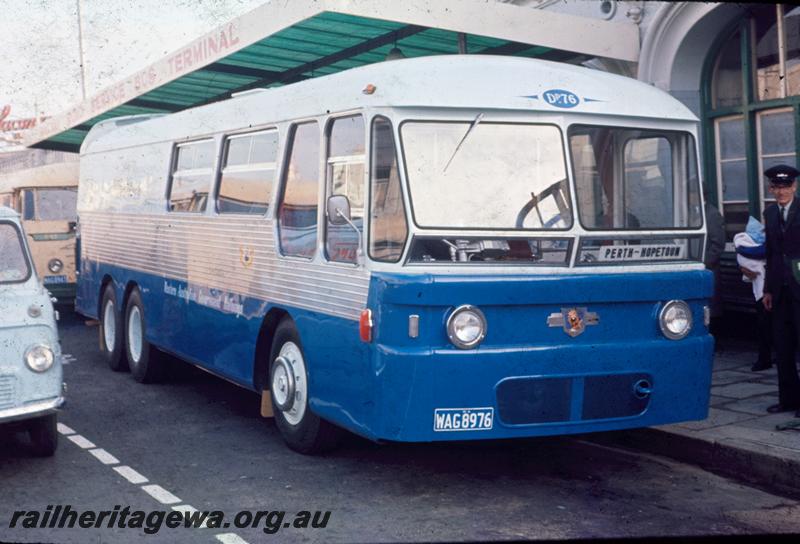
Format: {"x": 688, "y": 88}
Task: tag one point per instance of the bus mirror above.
{"x": 338, "y": 210}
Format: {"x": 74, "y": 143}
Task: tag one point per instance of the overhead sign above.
{"x": 659, "y": 252}
{"x": 10, "y": 129}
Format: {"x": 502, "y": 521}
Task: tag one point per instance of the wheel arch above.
{"x": 107, "y": 279}
{"x": 264, "y": 346}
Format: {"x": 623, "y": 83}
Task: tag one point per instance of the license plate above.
{"x": 462, "y": 419}
{"x": 55, "y": 279}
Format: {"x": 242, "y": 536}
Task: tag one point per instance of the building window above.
{"x": 727, "y": 81}
{"x": 791, "y": 26}
{"x": 776, "y": 143}
{"x": 767, "y": 52}
{"x": 753, "y": 108}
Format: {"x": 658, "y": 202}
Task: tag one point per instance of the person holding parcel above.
{"x": 782, "y": 286}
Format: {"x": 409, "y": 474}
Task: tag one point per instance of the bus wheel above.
{"x": 303, "y": 431}
{"x": 111, "y": 342}
{"x": 145, "y": 361}
{"x": 44, "y": 435}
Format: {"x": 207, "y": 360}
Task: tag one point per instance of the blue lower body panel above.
{"x": 538, "y": 392}
{"x": 527, "y": 378}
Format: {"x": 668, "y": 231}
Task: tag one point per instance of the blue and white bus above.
{"x": 440, "y": 248}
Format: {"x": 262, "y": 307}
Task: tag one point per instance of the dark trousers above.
{"x": 763, "y": 333}
{"x": 786, "y": 329}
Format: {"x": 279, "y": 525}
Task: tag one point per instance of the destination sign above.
{"x": 660, "y": 252}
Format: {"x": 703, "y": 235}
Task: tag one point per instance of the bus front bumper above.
{"x": 449, "y": 394}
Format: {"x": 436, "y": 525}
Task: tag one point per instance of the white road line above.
{"x": 63, "y": 429}
{"x": 131, "y": 475}
{"x": 231, "y": 538}
{"x": 81, "y": 441}
{"x": 189, "y": 509}
{"x": 160, "y": 494}
{"x": 104, "y": 457}
{"x": 156, "y": 491}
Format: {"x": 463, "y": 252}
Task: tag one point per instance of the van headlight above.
{"x": 466, "y": 327}
{"x": 39, "y": 358}
{"x": 675, "y": 319}
{"x": 55, "y": 265}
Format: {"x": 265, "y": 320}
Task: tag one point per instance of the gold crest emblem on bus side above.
{"x": 246, "y": 256}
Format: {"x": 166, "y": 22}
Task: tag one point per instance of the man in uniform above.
{"x": 782, "y": 288}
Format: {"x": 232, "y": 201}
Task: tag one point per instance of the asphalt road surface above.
{"x": 197, "y": 443}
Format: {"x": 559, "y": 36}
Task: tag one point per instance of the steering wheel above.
{"x": 526, "y": 209}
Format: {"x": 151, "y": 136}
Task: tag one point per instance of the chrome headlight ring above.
{"x": 675, "y": 319}
{"x": 466, "y": 327}
{"x": 39, "y": 358}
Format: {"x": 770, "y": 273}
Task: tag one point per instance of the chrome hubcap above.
{"x": 289, "y": 389}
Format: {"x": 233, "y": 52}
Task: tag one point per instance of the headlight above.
{"x": 39, "y": 358}
{"x": 675, "y": 319}
{"x": 55, "y": 265}
{"x": 466, "y": 327}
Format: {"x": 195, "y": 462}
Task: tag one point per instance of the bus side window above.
{"x": 388, "y": 228}
{"x": 345, "y": 176}
{"x": 28, "y": 205}
{"x": 248, "y": 173}
{"x": 297, "y": 214}
{"x": 191, "y": 176}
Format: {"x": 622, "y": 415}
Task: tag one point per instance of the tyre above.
{"x": 146, "y": 364}
{"x": 44, "y": 435}
{"x": 111, "y": 340}
{"x": 302, "y": 430}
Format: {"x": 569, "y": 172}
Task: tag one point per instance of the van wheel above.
{"x": 303, "y": 430}
{"x": 44, "y": 435}
{"x": 144, "y": 360}
{"x": 111, "y": 342}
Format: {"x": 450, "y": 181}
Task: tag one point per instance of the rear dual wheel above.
{"x": 111, "y": 333}
{"x": 145, "y": 362}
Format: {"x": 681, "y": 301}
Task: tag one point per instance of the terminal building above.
{"x": 735, "y": 65}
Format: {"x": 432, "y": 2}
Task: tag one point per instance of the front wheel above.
{"x": 303, "y": 431}
{"x": 44, "y": 435}
{"x": 145, "y": 361}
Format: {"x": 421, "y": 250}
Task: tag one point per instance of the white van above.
{"x": 31, "y": 388}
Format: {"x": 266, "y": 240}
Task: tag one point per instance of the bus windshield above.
{"x": 632, "y": 179}
{"x": 13, "y": 261}
{"x": 52, "y": 204}
{"x": 456, "y": 170}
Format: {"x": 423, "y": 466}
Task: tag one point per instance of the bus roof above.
{"x": 62, "y": 174}
{"x": 454, "y": 81}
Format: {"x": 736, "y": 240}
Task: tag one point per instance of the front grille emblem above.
{"x": 573, "y": 320}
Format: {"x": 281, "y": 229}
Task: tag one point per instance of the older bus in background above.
{"x": 45, "y": 196}
{"x": 441, "y": 248}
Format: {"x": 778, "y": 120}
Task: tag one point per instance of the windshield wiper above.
{"x": 473, "y": 125}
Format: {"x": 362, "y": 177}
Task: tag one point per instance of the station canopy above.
{"x": 280, "y": 43}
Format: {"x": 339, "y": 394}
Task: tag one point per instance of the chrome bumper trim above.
{"x": 42, "y": 408}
